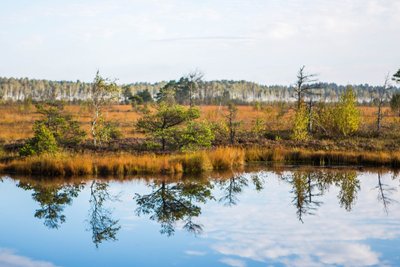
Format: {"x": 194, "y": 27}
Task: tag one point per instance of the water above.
{"x": 295, "y": 217}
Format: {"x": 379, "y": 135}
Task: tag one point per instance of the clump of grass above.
{"x": 197, "y": 162}
{"x": 225, "y": 158}
{"x": 50, "y": 165}
{"x": 324, "y": 157}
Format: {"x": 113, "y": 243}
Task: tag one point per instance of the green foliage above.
{"x": 300, "y": 125}
{"x": 232, "y": 123}
{"x": 395, "y": 102}
{"x": 341, "y": 119}
{"x": 108, "y": 131}
{"x": 103, "y": 92}
{"x": 167, "y": 93}
{"x": 396, "y": 76}
{"x": 181, "y": 91}
{"x": 163, "y": 125}
{"x": 141, "y": 98}
{"x": 64, "y": 128}
{"x": 42, "y": 142}
{"x": 196, "y": 135}
{"x": 259, "y": 127}
{"x": 346, "y": 114}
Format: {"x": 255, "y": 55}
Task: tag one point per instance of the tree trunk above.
{"x": 379, "y": 120}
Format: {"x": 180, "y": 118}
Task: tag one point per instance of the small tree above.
{"x": 103, "y": 91}
{"x": 64, "y": 128}
{"x": 232, "y": 123}
{"x": 193, "y": 79}
{"x": 300, "y": 125}
{"x": 258, "y": 128}
{"x": 382, "y": 97}
{"x": 346, "y": 114}
{"x": 42, "y": 142}
{"x": 195, "y": 135}
{"x": 163, "y": 125}
{"x": 396, "y": 76}
{"x": 167, "y": 93}
{"x": 141, "y": 97}
{"x": 395, "y": 103}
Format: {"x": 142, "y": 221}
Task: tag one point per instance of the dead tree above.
{"x": 382, "y": 93}
{"x": 304, "y": 85}
{"x": 193, "y": 78}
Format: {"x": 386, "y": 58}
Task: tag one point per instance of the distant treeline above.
{"x": 209, "y": 92}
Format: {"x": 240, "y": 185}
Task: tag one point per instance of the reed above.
{"x": 322, "y": 158}
{"x": 222, "y": 158}
{"x": 225, "y": 158}
{"x": 121, "y": 165}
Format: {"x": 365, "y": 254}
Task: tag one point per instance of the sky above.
{"x": 265, "y": 41}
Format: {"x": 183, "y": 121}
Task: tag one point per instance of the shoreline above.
{"x": 189, "y": 163}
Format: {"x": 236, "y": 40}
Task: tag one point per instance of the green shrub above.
{"x": 42, "y": 142}
{"x": 300, "y": 126}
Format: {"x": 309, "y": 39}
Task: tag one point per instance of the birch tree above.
{"x": 103, "y": 92}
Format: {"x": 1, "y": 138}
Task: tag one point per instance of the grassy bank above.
{"x": 223, "y": 158}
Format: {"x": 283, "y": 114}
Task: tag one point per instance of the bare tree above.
{"x": 194, "y": 78}
{"x": 304, "y": 85}
{"x": 385, "y": 192}
{"x": 383, "y": 93}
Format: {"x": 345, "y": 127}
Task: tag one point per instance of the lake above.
{"x": 286, "y": 216}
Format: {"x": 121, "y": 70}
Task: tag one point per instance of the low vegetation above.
{"x": 161, "y": 136}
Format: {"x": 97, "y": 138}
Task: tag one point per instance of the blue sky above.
{"x": 266, "y": 41}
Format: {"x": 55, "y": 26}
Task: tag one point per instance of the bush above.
{"x": 300, "y": 131}
{"x": 42, "y": 142}
{"x": 108, "y": 131}
{"x": 195, "y": 136}
{"x": 346, "y": 115}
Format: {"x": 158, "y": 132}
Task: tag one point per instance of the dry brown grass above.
{"x": 223, "y": 158}
{"x": 327, "y": 158}
{"x": 125, "y": 164}
{"x": 16, "y": 120}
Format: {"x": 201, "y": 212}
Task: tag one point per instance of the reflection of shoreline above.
{"x": 266, "y": 228}
{"x": 263, "y": 231}
{"x": 250, "y": 167}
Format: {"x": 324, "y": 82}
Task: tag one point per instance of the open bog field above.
{"x": 16, "y": 120}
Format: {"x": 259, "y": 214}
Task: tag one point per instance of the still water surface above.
{"x": 292, "y": 217}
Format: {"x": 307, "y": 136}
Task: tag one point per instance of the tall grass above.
{"x": 125, "y": 164}
{"x": 391, "y": 159}
{"x": 223, "y": 158}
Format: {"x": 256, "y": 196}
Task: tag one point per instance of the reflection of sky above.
{"x": 261, "y": 230}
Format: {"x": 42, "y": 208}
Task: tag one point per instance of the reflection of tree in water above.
{"x": 101, "y": 223}
{"x": 349, "y": 186}
{"x": 233, "y": 186}
{"x": 305, "y": 191}
{"x": 384, "y": 193}
{"x": 171, "y": 203}
{"x": 308, "y": 187}
{"x": 52, "y": 200}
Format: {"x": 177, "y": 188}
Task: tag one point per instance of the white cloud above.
{"x": 269, "y": 232}
{"x": 233, "y": 262}
{"x": 195, "y": 253}
{"x": 9, "y": 259}
{"x": 277, "y": 38}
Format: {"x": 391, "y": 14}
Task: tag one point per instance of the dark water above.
{"x": 307, "y": 217}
